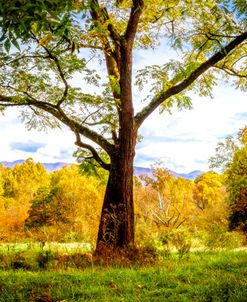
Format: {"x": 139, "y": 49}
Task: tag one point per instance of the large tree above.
{"x": 57, "y": 39}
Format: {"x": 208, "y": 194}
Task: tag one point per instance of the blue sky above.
{"x": 183, "y": 141}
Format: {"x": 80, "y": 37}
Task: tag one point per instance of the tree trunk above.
{"x": 116, "y": 229}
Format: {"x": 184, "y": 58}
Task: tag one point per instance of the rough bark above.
{"x": 116, "y": 229}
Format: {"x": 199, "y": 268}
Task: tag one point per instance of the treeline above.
{"x": 59, "y": 206}
{"x": 65, "y": 205}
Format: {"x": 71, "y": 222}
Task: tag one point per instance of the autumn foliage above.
{"x": 65, "y": 205}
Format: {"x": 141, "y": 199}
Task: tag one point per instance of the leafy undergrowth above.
{"x": 200, "y": 276}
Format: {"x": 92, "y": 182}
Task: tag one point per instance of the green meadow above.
{"x": 197, "y": 276}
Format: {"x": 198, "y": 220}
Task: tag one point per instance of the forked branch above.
{"x": 95, "y": 154}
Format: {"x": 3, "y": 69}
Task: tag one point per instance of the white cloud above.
{"x": 187, "y": 139}
{"x": 58, "y": 145}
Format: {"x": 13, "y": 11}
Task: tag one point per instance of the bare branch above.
{"x": 88, "y": 133}
{"x": 91, "y": 114}
{"x": 100, "y": 122}
{"x": 181, "y": 222}
{"x": 25, "y": 57}
{"x": 59, "y": 68}
{"x": 160, "y": 220}
{"x": 231, "y": 72}
{"x": 162, "y": 96}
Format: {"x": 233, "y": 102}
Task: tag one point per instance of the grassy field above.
{"x": 199, "y": 276}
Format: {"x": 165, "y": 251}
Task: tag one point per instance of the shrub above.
{"x": 219, "y": 237}
{"x": 181, "y": 240}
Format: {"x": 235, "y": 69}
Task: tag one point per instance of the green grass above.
{"x": 51, "y": 246}
{"x": 202, "y": 276}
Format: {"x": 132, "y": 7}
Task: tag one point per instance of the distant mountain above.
{"x": 142, "y": 171}
{"x": 137, "y": 170}
{"x": 48, "y": 166}
{"x": 147, "y": 171}
{"x": 11, "y": 164}
{"x": 191, "y": 175}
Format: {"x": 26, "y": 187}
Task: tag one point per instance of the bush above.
{"x": 181, "y": 240}
{"x": 218, "y": 237}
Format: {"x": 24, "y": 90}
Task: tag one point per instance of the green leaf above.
{"x": 16, "y": 44}
{"x": 7, "y": 45}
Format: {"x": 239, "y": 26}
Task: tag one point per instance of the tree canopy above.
{"x": 56, "y": 34}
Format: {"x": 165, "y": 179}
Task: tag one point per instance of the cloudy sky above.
{"x": 183, "y": 141}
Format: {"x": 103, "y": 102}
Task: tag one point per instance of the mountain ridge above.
{"x": 148, "y": 171}
{"x": 50, "y": 167}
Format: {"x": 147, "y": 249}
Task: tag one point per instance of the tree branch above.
{"x": 25, "y": 57}
{"x": 7, "y": 100}
{"x": 58, "y": 113}
{"x": 61, "y": 74}
{"x": 231, "y": 72}
{"x": 77, "y": 127}
{"x": 134, "y": 18}
{"x": 162, "y": 96}
{"x": 83, "y": 45}
{"x": 112, "y": 56}
{"x": 95, "y": 154}
{"x": 91, "y": 114}
{"x": 100, "y": 15}
{"x": 59, "y": 68}
{"x": 115, "y": 137}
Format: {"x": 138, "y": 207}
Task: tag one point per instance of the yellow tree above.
{"x": 7, "y": 200}
{"x": 69, "y": 207}
{"x": 209, "y": 190}
{"x": 83, "y": 195}
{"x": 167, "y": 201}
{"x": 29, "y": 176}
{"x": 1, "y": 184}
{"x": 20, "y": 185}
{"x": 209, "y": 198}
{"x": 1, "y": 195}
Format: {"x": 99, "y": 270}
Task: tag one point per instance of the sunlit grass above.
{"x": 200, "y": 276}
{"x": 71, "y": 247}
